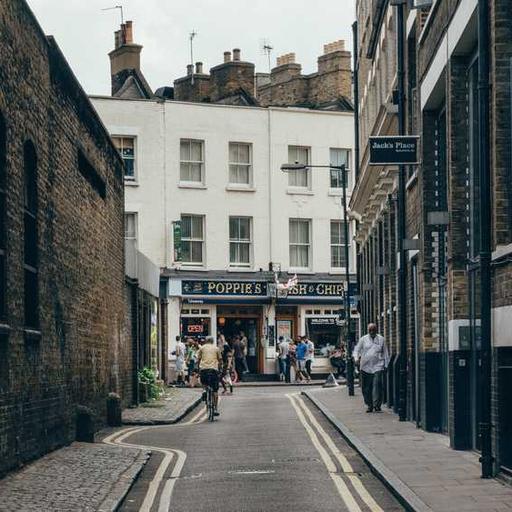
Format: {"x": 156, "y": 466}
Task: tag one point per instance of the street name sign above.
{"x": 394, "y": 150}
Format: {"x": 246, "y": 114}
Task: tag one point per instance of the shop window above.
{"x": 339, "y": 157}
{"x": 126, "y": 148}
{"x": 192, "y": 239}
{"x": 240, "y": 241}
{"x": 3, "y": 229}
{"x": 192, "y": 161}
{"x": 30, "y": 257}
{"x": 240, "y": 163}
{"x": 300, "y": 245}
{"x": 299, "y": 177}
{"x": 324, "y": 333}
{"x": 195, "y": 326}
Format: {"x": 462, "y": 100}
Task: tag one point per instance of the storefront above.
{"x": 210, "y": 307}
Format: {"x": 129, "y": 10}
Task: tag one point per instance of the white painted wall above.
{"x": 158, "y": 198}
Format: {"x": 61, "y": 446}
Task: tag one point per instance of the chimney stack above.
{"x": 199, "y": 68}
{"x": 125, "y": 57}
{"x": 236, "y": 54}
{"x": 190, "y": 69}
{"x": 227, "y": 57}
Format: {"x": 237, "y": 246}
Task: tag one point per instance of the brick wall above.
{"x": 82, "y": 350}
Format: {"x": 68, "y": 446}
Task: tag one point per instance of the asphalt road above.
{"x": 270, "y": 450}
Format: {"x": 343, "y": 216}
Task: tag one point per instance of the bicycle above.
{"x": 210, "y": 405}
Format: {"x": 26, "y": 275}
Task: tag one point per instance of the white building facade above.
{"x": 216, "y": 169}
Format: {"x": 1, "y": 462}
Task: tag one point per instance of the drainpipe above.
{"x": 402, "y": 274}
{"x": 485, "y": 236}
{"x": 356, "y": 101}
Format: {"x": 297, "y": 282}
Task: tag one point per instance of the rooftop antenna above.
{"x": 192, "y": 35}
{"x": 267, "y": 50}
{"x": 120, "y": 7}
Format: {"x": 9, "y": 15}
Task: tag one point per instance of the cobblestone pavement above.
{"x": 442, "y": 479}
{"x": 81, "y": 477}
{"x": 171, "y": 408}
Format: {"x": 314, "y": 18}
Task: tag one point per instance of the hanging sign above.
{"x": 394, "y": 150}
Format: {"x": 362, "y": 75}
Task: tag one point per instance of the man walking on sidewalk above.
{"x": 373, "y": 354}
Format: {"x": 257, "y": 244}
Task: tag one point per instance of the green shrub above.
{"x": 147, "y": 376}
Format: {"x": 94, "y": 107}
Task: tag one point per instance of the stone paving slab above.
{"x": 171, "y": 408}
{"x": 82, "y": 477}
{"x": 420, "y": 467}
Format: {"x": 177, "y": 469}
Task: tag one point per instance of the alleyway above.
{"x": 270, "y": 450}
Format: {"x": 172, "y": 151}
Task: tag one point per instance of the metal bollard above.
{"x": 114, "y": 410}
{"x": 84, "y": 424}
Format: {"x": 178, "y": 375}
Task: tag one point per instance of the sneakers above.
{"x": 216, "y": 413}
{"x": 370, "y": 409}
{"x": 378, "y": 409}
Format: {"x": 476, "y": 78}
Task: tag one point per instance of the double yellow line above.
{"x": 331, "y": 453}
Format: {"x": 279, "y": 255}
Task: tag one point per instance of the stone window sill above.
{"x": 32, "y": 335}
{"x": 240, "y": 188}
{"x": 299, "y": 191}
{"x": 185, "y": 184}
{"x": 131, "y": 183}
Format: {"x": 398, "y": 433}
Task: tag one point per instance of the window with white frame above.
{"x": 126, "y": 148}
{"x": 240, "y": 163}
{"x": 240, "y": 240}
{"x": 300, "y": 236}
{"x": 338, "y": 244}
{"x": 298, "y": 177}
{"x": 192, "y": 239}
{"x": 192, "y": 161}
{"x": 339, "y": 157}
{"x": 130, "y": 227}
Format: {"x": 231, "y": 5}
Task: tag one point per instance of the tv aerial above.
{"x": 267, "y": 48}
{"x": 120, "y": 7}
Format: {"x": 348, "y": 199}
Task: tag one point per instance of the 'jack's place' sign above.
{"x": 394, "y": 150}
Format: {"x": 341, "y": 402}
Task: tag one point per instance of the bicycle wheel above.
{"x": 209, "y": 404}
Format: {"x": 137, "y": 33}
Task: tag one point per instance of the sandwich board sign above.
{"x": 394, "y": 150}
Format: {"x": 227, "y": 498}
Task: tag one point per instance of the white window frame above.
{"x": 201, "y": 162}
{"x": 300, "y": 244}
{"x": 240, "y": 241}
{"x": 134, "y": 178}
{"x": 295, "y": 173}
{"x": 248, "y": 165}
{"x": 195, "y": 239}
{"x": 341, "y": 246}
{"x": 347, "y": 170}
{"x": 136, "y": 227}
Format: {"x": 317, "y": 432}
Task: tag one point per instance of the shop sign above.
{"x": 252, "y": 288}
{"x": 176, "y": 235}
{"x": 394, "y": 150}
{"x": 318, "y": 290}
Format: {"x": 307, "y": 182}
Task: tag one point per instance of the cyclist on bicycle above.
{"x": 209, "y": 359}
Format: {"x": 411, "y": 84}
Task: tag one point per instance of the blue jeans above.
{"x": 283, "y": 363}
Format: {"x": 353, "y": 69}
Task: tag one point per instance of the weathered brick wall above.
{"x": 80, "y": 355}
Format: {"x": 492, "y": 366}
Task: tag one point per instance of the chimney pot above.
{"x": 199, "y": 68}
{"x": 190, "y": 69}
{"x": 236, "y": 54}
{"x": 129, "y": 32}
{"x": 227, "y": 56}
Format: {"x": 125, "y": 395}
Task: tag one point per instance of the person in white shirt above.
{"x": 283, "y": 348}
{"x": 310, "y": 357}
{"x": 180, "y": 361}
{"x": 372, "y": 354}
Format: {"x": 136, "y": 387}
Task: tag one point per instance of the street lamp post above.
{"x": 349, "y": 341}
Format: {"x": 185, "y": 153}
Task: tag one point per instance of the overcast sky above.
{"x": 85, "y": 33}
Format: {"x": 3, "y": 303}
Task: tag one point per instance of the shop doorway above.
{"x": 233, "y": 322}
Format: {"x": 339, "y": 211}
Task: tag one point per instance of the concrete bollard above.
{"x": 84, "y": 424}
{"x": 114, "y": 410}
